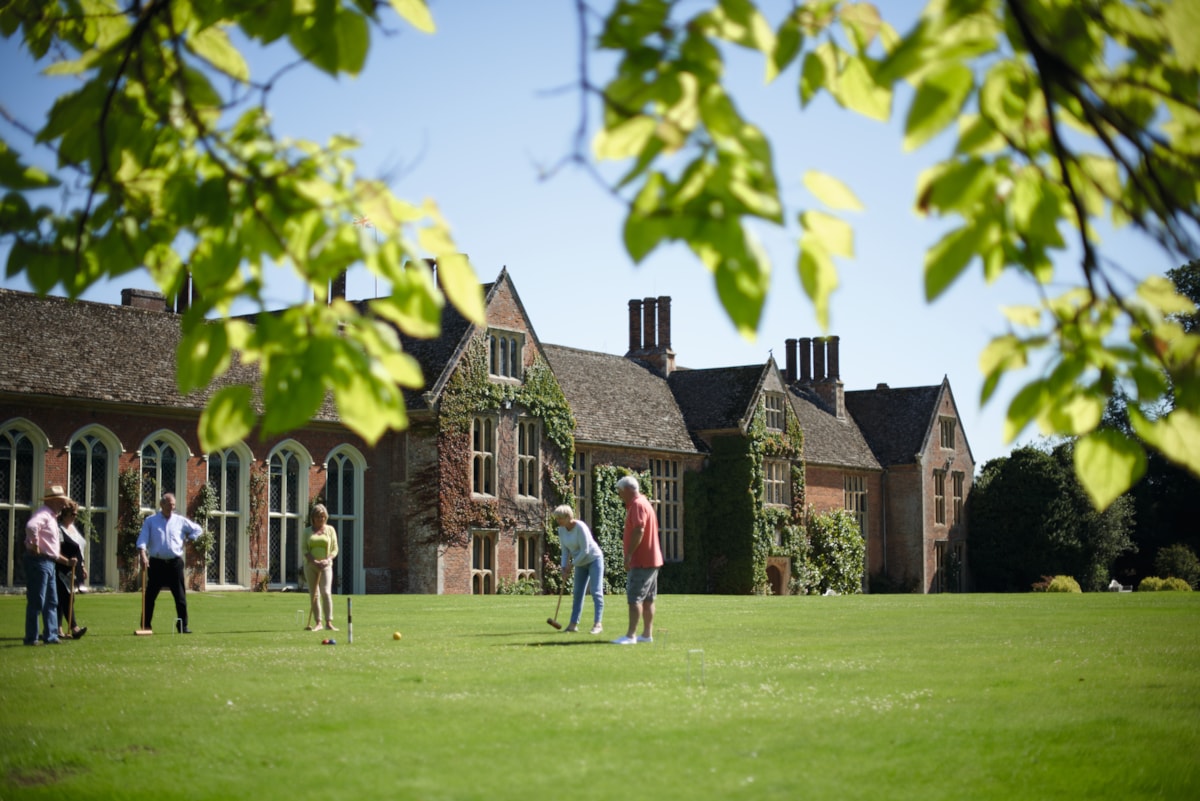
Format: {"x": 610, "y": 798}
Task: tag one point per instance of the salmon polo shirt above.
{"x": 641, "y": 513}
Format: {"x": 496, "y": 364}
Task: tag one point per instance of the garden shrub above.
{"x": 1178, "y": 561}
{"x": 1150, "y": 584}
{"x": 838, "y": 551}
{"x": 1057, "y": 584}
{"x": 1174, "y": 584}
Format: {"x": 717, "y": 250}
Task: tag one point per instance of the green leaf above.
{"x": 1108, "y": 463}
{"x": 1027, "y": 404}
{"x": 859, "y": 92}
{"x": 213, "y": 45}
{"x": 788, "y": 41}
{"x": 939, "y": 99}
{"x": 353, "y": 41}
{"x": 818, "y": 276}
{"x": 832, "y": 192}
{"x": 946, "y": 260}
{"x": 1181, "y": 20}
{"x": 15, "y": 175}
{"x": 202, "y": 354}
{"x": 462, "y": 286}
{"x": 227, "y": 419}
{"x": 819, "y": 72}
{"x": 625, "y": 139}
{"x": 1176, "y": 435}
{"x": 836, "y": 236}
{"x": 416, "y": 14}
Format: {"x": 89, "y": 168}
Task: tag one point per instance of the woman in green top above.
{"x": 319, "y": 547}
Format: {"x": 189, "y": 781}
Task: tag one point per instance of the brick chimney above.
{"x": 789, "y": 355}
{"x": 824, "y": 378}
{"x": 649, "y": 322}
{"x": 650, "y": 333}
{"x": 186, "y": 297}
{"x": 144, "y": 299}
{"x": 635, "y": 327}
{"x": 337, "y": 287}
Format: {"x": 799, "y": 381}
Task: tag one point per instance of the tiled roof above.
{"x": 718, "y": 398}
{"x": 828, "y": 440}
{"x": 618, "y": 401}
{"x": 896, "y": 422}
{"x": 99, "y": 352}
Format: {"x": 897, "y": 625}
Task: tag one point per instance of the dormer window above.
{"x": 774, "y": 408}
{"x": 505, "y": 354}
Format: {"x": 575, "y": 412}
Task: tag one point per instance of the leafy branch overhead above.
{"x": 166, "y": 152}
{"x": 1060, "y": 115}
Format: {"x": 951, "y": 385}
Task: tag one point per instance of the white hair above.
{"x": 628, "y": 481}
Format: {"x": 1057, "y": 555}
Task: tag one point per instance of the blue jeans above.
{"x": 41, "y": 599}
{"x": 588, "y": 577}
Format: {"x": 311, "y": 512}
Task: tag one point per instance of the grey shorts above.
{"x": 642, "y": 584}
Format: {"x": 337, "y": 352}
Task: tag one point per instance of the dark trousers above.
{"x": 62, "y": 582}
{"x": 166, "y": 573}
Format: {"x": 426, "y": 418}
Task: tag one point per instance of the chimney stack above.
{"x": 144, "y": 299}
{"x": 789, "y": 354}
{"x": 664, "y": 322}
{"x": 833, "y": 357}
{"x": 650, "y": 334}
{"x": 818, "y": 345}
{"x": 635, "y": 327}
{"x": 805, "y": 359}
{"x": 337, "y": 287}
{"x": 649, "y": 323}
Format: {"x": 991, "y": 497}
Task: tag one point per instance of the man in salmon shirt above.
{"x": 643, "y": 558}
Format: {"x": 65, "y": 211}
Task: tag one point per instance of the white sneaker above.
{"x": 596, "y": 629}
{"x": 625, "y": 641}
{"x": 645, "y": 639}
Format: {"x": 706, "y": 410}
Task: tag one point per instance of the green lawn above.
{"x": 871, "y": 697}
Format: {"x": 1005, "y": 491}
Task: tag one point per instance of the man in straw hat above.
{"x": 41, "y": 555}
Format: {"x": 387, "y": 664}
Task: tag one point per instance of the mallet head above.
{"x": 554, "y": 623}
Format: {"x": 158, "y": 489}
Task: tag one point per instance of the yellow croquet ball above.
{"x": 395, "y": 635}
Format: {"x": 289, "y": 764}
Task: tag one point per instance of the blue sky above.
{"x": 473, "y": 115}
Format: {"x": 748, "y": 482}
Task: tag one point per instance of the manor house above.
{"x": 733, "y": 457}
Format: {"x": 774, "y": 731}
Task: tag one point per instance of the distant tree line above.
{"x": 1031, "y": 518}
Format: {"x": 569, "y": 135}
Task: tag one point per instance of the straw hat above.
{"x": 55, "y": 491}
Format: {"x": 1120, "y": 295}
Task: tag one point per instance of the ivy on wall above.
{"x": 260, "y": 573}
{"x": 608, "y": 519}
{"x": 471, "y": 391}
{"x": 730, "y": 533}
{"x": 129, "y": 524}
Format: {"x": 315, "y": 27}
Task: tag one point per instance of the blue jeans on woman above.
{"x": 589, "y": 577}
{"x": 41, "y": 599}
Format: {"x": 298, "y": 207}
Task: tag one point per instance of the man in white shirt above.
{"x": 160, "y": 549}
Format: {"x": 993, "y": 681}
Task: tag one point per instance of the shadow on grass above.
{"x": 563, "y": 642}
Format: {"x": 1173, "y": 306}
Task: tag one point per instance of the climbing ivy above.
{"x": 470, "y": 391}
{"x": 608, "y": 517}
{"x": 730, "y": 531}
{"x": 203, "y": 506}
{"x": 129, "y": 523}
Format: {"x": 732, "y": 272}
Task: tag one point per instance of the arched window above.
{"x": 93, "y": 485}
{"x": 163, "y": 469}
{"x": 344, "y": 500}
{"x": 287, "y": 510}
{"x": 22, "y": 447}
{"x": 229, "y": 478}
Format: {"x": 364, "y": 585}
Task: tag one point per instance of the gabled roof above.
{"x": 896, "y": 422}
{"x": 618, "y": 401}
{"x": 100, "y": 352}
{"x": 718, "y": 398}
{"x": 436, "y": 356}
{"x": 828, "y": 440}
